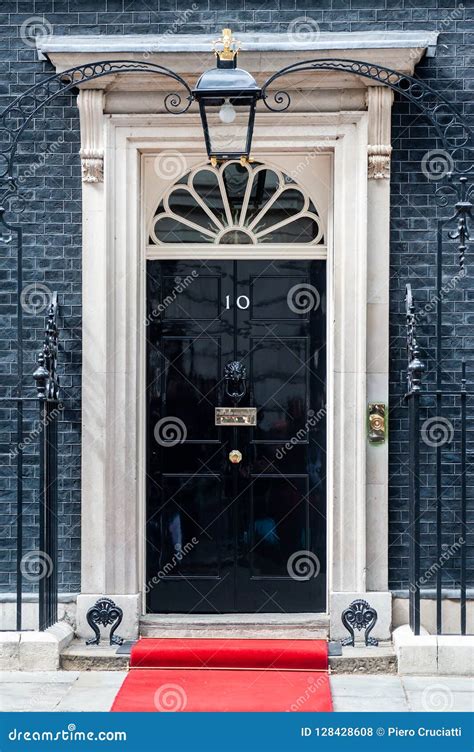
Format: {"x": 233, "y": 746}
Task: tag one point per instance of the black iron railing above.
{"x": 47, "y": 384}
{"x": 34, "y": 460}
{"x": 439, "y": 479}
{"x": 415, "y": 370}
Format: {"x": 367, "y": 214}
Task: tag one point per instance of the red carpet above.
{"x": 194, "y": 675}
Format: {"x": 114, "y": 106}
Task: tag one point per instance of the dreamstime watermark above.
{"x": 181, "y": 18}
{"x": 36, "y": 565}
{"x": 444, "y": 291}
{"x": 228, "y": 136}
{"x": 35, "y": 298}
{"x": 303, "y": 565}
{"x": 442, "y": 25}
{"x": 181, "y": 552}
{"x": 35, "y": 28}
{"x": 180, "y": 284}
{"x": 437, "y": 698}
{"x": 170, "y": 431}
{"x": 311, "y": 422}
{"x": 437, "y": 431}
{"x": 303, "y": 298}
{"x": 170, "y": 698}
{"x": 35, "y": 432}
{"x": 306, "y": 161}
{"x": 436, "y": 164}
{"x": 39, "y": 160}
{"x": 71, "y": 734}
{"x": 170, "y": 164}
{"x": 303, "y": 30}
{"x": 425, "y": 578}
{"x": 314, "y": 684}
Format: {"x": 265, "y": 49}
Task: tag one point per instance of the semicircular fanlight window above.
{"x": 236, "y": 204}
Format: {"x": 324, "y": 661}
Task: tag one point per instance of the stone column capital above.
{"x": 91, "y": 112}
{"x": 379, "y": 150}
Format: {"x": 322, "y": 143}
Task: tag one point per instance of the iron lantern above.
{"x": 227, "y": 98}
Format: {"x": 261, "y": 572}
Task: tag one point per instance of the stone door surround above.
{"x": 343, "y": 115}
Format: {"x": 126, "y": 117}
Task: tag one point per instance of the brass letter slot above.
{"x": 236, "y": 416}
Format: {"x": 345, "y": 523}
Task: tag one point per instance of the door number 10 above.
{"x": 242, "y": 302}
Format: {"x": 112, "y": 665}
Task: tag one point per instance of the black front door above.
{"x": 249, "y": 536}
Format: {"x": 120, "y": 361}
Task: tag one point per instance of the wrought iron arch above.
{"x": 22, "y": 110}
{"x": 451, "y": 127}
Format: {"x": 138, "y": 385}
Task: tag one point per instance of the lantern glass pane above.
{"x": 228, "y": 138}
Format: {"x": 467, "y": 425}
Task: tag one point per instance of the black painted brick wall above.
{"x": 52, "y": 220}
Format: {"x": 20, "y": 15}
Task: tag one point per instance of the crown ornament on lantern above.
{"x": 227, "y": 47}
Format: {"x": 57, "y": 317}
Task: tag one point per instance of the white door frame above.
{"x": 113, "y": 375}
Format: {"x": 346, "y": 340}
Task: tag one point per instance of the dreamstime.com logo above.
{"x": 71, "y": 734}
{"x": 181, "y": 18}
{"x": 303, "y": 30}
{"x": 170, "y": 164}
{"x": 36, "y": 565}
{"x": 445, "y": 290}
{"x": 169, "y": 432}
{"x": 303, "y": 565}
{"x": 437, "y": 698}
{"x": 311, "y": 422}
{"x": 170, "y": 698}
{"x": 35, "y": 298}
{"x": 180, "y": 553}
{"x": 181, "y": 284}
{"x": 436, "y": 164}
{"x": 314, "y": 683}
{"x": 34, "y": 28}
{"x": 303, "y": 298}
{"x": 437, "y": 431}
{"x": 35, "y": 433}
{"x": 429, "y": 573}
{"x": 26, "y": 189}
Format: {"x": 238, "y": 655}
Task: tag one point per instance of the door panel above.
{"x": 236, "y": 537}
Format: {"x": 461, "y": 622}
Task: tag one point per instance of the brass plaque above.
{"x": 236, "y": 416}
{"x": 377, "y": 428}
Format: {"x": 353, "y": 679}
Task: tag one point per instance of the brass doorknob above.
{"x": 235, "y": 456}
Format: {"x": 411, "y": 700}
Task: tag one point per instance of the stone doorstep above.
{"x": 358, "y": 660}
{"x": 235, "y": 626}
{"x": 34, "y": 651}
{"x": 365, "y": 660}
{"x": 430, "y": 655}
{"x": 81, "y": 657}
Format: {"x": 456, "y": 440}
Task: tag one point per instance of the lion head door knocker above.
{"x": 104, "y": 613}
{"x": 235, "y": 377}
{"x": 359, "y": 615}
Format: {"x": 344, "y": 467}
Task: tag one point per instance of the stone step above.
{"x": 81, "y": 657}
{"x": 236, "y": 626}
{"x": 363, "y": 660}
{"x": 358, "y": 660}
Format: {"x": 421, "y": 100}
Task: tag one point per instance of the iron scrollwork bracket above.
{"x": 359, "y": 615}
{"x": 463, "y": 192}
{"x": 451, "y": 127}
{"x": 105, "y": 613}
{"x": 20, "y": 113}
